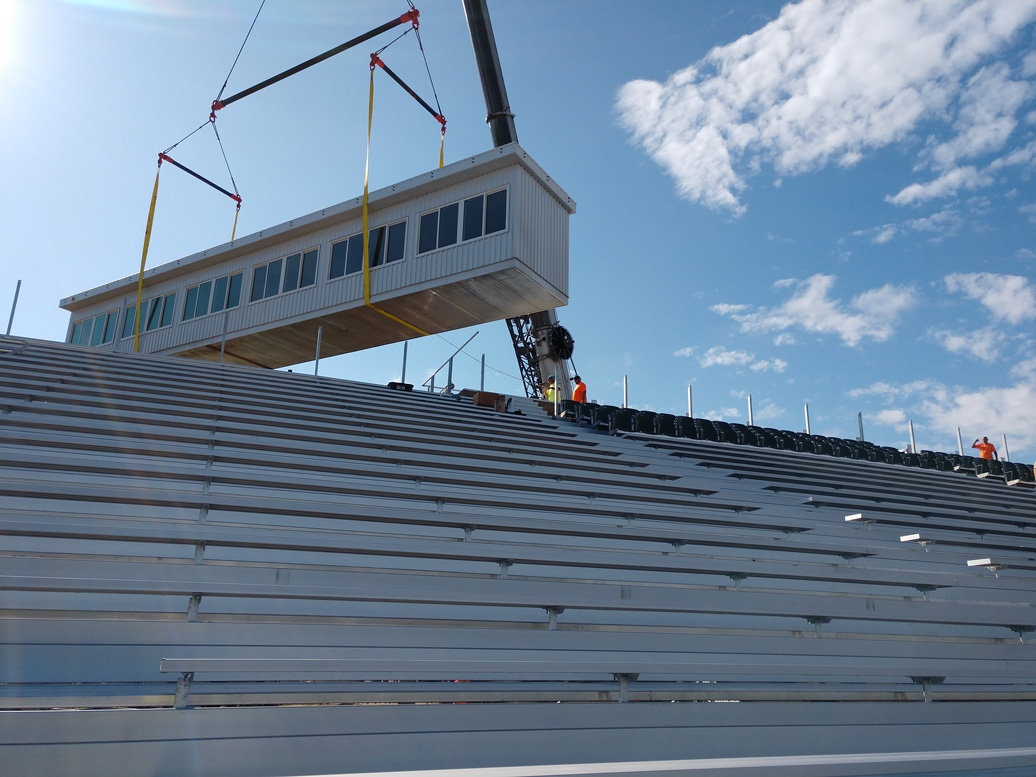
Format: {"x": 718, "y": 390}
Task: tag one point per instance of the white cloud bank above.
{"x": 830, "y": 80}
{"x": 1010, "y": 298}
{"x": 871, "y": 314}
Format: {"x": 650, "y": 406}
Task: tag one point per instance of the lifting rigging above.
{"x": 542, "y": 346}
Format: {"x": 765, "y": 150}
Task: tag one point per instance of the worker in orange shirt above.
{"x": 986, "y": 449}
{"x": 579, "y": 392}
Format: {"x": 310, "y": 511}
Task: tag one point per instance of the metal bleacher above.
{"x": 214, "y": 569}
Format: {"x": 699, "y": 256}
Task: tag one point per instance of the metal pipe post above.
{"x": 913, "y": 445}
{"x": 316, "y": 362}
{"x": 1007, "y": 453}
{"x": 625, "y": 391}
{"x": 806, "y": 410}
{"x": 751, "y": 417}
{"x": 859, "y": 420}
{"x": 402, "y": 378}
{"x": 690, "y": 406}
{"x": 960, "y": 443}
{"x": 14, "y": 305}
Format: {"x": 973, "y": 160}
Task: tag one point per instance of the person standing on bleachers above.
{"x": 579, "y": 392}
{"x": 550, "y": 389}
{"x": 986, "y": 449}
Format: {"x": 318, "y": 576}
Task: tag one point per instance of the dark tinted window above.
{"x": 204, "y": 293}
{"x": 309, "y": 269}
{"x": 473, "y": 218}
{"x": 338, "y": 253}
{"x": 396, "y": 242}
{"x": 377, "y": 246}
{"x": 168, "y": 309}
{"x": 273, "y": 278}
{"x": 234, "y": 295}
{"x": 190, "y": 304}
{"x": 219, "y": 294}
{"x": 448, "y": 224}
{"x": 496, "y": 211}
{"x": 109, "y": 327}
{"x": 130, "y": 324}
{"x": 355, "y": 262}
{"x": 429, "y": 235}
{"x": 292, "y": 267}
{"x": 258, "y": 283}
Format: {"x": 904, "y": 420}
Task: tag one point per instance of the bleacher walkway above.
{"x": 220, "y": 570}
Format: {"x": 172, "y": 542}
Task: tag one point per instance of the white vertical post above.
{"x": 223, "y": 339}
{"x": 913, "y": 445}
{"x": 690, "y": 404}
{"x": 859, "y": 420}
{"x": 960, "y": 443}
{"x": 751, "y": 418}
{"x": 625, "y": 391}
{"x": 316, "y": 361}
{"x": 806, "y": 408}
{"x": 14, "y": 304}
{"x": 1007, "y": 453}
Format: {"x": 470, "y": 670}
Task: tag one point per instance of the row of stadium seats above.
{"x": 615, "y": 419}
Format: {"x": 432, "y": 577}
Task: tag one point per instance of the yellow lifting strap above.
{"x": 366, "y": 221}
{"x": 143, "y": 258}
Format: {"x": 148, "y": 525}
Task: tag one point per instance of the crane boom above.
{"x": 530, "y": 334}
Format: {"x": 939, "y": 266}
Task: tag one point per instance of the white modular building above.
{"x": 479, "y": 240}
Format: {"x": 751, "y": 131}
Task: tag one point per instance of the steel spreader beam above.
{"x": 410, "y": 16}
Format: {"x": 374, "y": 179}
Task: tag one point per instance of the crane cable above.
{"x": 164, "y": 156}
{"x": 366, "y": 221}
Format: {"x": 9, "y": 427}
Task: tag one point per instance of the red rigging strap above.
{"x": 376, "y": 62}
{"x": 164, "y": 157}
{"x": 412, "y": 17}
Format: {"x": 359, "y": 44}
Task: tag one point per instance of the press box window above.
{"x": 474, "y": 217}
{"x": 213, "y": 296}
{"x": 386, "y": 244}
{"x": 154, "y": 314}
{"x": 283, "y": 275}
{"x": 99, "y": 330}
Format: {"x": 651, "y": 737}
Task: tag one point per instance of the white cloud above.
{"x": 1007, "y": 297}
{"x": 826, "y": 82}
{"x": 938, "y": 409}
{"x": 873, "y": 313}
{"x": 983, "y": 344}
{"x": 689, "y": 350}
{"x": 718, "y": 356}
{"x": 765, "y": 365}
{"x": 946, "y": 185}
{"x": 784, "y": 339}
{"x": 890, "y": 417}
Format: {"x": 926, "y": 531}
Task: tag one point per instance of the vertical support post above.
{"x": 183, "y": 688}
{"x": 17, "y": 288}
{"x": 449, "y": 376}
{"x": 1007, "y": 453}
{"x": 402, "y": 377}
{"x": 690, "y": 404}
{"x": 316, "y": 361}
{"x": 223, "y": 339}
{"x": 806, "y": 409}
{"x": 913, "y": 445}
{"x": 751, "y": 418}
{"x": 625, "y": 391}
{"x": 859, "y": 420}
{"x": 960, "y": 443}
{"x": 482, "y": 378}
{"x": 624, "y": 679}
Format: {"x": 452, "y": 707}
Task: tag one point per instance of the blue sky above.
{"x": 829, "y": 203}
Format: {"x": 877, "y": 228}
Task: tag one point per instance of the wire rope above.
{"x": 225, "y": 82}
